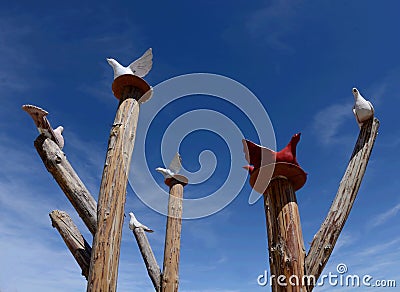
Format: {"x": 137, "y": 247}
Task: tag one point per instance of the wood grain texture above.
{"x": 285, "y": 238}
{"x": 72, "y": 237}
{"x": 58, "y": 165}
{"x": 110, "y": 210}
{"x": 325, "y": 239}
{"x": 148, "y": 257}
{"x": 170, "y": 276}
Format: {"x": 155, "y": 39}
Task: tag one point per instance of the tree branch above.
{"x": 326, "y": 237}
{"x": 57, "y": 164}
{"x": 74, "y": 240}
{"x": 148, "y": 257}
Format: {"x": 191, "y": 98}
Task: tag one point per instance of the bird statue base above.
{"x": 261, "y": 177}
{"x": 132, "y": 80}
{"x": 177, "y": 178}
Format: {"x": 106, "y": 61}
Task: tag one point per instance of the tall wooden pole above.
{"x": 285, "y": 238}
{"x": 110, "y": 209}
{"x": 170, "y": 276}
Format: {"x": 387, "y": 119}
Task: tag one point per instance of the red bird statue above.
{"x": 258, "y": 156}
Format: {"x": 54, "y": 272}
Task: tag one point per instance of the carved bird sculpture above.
{"x": 173, "y": 169}
{"x": 362, "y": 109}
{"x": 139, "y": 67}
{"x": 134, "y": 223}
{"x": 258, "y": 156}
{"x": 43, "y": 125}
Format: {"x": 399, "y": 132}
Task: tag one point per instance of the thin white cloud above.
{"x": 34, "y": 257}
{"x": 328, "y": 121}
{"x": 273, "y": 22}
{"x": 378, "y": 249}
{"x": 385, "y": 216}
{"x": 17, "y": 60}
{"x": 346, "y": 239}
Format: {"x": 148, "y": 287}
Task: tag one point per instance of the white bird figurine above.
{"x": 173, "y": 169}
{"x": 140, "y": 67}
{"x": 362, "y": 109}
{"x": 43, "y": 125}
{"x": 134, "y": 223}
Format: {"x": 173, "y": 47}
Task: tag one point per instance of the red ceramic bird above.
{"x": 258, "y": 156}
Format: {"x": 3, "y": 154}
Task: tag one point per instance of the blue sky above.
{"x": 299, "y": 58}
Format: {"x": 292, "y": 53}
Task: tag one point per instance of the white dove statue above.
{"x": 362, "y": 109}
{"x": 134, "y": 223}
{"x": 140, "y": 67}
{"x": 43, "y": 125}
{"x": 173, "y": 169}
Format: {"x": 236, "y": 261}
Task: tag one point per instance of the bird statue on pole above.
{"x": 139, "y": 67}
{"x": 43, "y": 125}
{"x": 133, "y": 74}
{"x": 134, "y": 223}
{"x": 258, "y": 156}
{"x": 173, "y": 169}
{"x": 362, "y": 109}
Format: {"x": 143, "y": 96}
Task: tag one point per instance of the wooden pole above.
{"x": 285, "y": 239}
{"x": 326, "y": 237}
{"x": 148, "y": 257}
{"x": 57, "y": 164}
{"x": 170, "y": 276}
{"x": 74, "y": 240}
{"x": 110, "y": 211}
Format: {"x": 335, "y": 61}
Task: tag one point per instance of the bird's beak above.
{"x": 355, "y": 92}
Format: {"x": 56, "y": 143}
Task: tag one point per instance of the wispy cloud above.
{"x": 385, "y": 216}
{"x": 17, "y": 61}
{"x": 378, "y": 249}
{"x": 273, "y": 22}
{"x": 328, "y": 121}
{"x": 346, "y": 239}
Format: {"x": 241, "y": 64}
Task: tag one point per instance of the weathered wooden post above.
{"x": 285, "y": 238}
{"x": 49, "y": 146}
{"x": 74, "y": 240}
{"x": 277, "y": 175}
{"x": 58, "y": 165}
{"x": 170, "y": 276}
{"x": 149, "y": 259}
{"x": 129, "y": 89}
{"x": 325, "y": 239}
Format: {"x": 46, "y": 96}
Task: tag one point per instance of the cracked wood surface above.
{"x": 110, "y": 209}
{"x": 72, "y": 237}
{"x": 58, "y": 165}
{"x": 285, "y": 238}
{"x": 152, "y": 267}
{"x": 170, "y": 276}
{"x": 325, "y": 239}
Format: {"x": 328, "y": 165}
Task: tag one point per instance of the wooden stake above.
{"x": 106, "y": 246}
{"x": 74, "y": 240}
{"x": 170, "y": 277}
{"x": 148, "y": 257}
{"x": 285, "y": 239}
{"x": 326, "y": 237}
{"x": 57, "y": 164}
